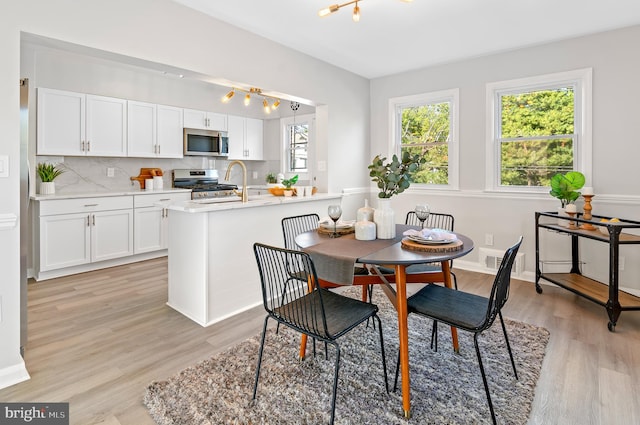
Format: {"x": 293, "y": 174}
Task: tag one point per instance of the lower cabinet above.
{"x": 103, "y": 230}
{"x": 151, "y": 221}
{"x": 77, "y": 235}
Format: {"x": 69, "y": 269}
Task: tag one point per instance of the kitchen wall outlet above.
{"x": 255, "y": 175}
{"x": 621, "y": 263}
{"x": 110, "y": 172}
{"x": 488, "y": 239}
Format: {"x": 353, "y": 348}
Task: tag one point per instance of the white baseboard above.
{"x": 13, "y": 375}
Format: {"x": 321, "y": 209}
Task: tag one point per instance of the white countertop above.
{"x": 124, "y": 192}
{"x": 201, "y": 206}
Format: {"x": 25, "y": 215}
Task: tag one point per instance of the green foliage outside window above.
{"x": 537, "y": 136}
{"x": 425, "y": 131}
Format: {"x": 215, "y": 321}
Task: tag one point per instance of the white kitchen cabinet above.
{"x": 150, "y": 221}
{"x": 154, "y": 131}
{"x": 78, "y": 124}
{"x": 74, "y": 232}
{"x": 204, "y": 120}
{"x": 245, "y": 138}
{"x": 169, "y": 132}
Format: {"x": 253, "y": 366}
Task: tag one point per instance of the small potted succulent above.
{"x": 288, "y": 183}
{"x": 271, "y": 179}
{"x": 47, "y": 174}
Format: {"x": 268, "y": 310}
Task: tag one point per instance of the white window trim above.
{"x": 451, "y": 95}
{"x": 284, "y": 145}
{"x": 583, "y": 159}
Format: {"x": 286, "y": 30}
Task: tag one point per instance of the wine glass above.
{"x": 335, "y": 212}
{"x": 422, "y": 212}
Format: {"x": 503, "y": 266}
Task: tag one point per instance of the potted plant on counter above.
{"x": 392, "y": 178}
{"x": 47, "y": 174}
{"x": 288, "y": 183}
{"x": 271, "y": 179}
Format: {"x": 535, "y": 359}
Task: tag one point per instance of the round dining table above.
{"x": 334, "y": 259}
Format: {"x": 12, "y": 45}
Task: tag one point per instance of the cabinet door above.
{"x": 141, "y": 129}
{"x": 149, "y": 229}
{"x": 253, "y": 139}
{"x": 236, "y": 137}
{"x": 195, "y": 119}
{"x": 217, "y": 121}
{"x": 111, "y": 234}
{"x": 60, "y": 122}
{"x": 169, "y": 132}
{"x": 64, "y": 241}
{"x": 106, "y": 126}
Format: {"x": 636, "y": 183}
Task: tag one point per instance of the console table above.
{"x": 605, "y": 294}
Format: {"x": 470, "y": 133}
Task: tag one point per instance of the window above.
{"x": 296, "y": 147}
{"x": 539, "y": 126}
{"x": 427, "y": 124}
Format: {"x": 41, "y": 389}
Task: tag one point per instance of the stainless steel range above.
{"x": 203, "y": 184}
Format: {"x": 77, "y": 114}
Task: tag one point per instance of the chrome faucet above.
{"x": 244, "y": 195}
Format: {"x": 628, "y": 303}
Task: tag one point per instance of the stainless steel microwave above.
{"x": 205, "y": 142}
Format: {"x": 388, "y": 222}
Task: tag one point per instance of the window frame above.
{"x": 581, "y": 80}
{"x": 285, "y": 145}
{"x": 396, "y": 104}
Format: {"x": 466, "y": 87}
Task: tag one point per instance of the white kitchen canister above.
{"x": 385, "y": 219}
{"x": 148, "y": 184}
{"x": 157, "y": 182}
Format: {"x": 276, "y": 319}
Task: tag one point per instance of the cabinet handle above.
{"x": 82, "y": 146}
{"x": 90, "y": 205}
{"x": 88, "y": 222}
{"x": 158, "y": 149}
{"x": 94, "y": 219}
{"x": 165, "y": 199}
{"x": 88, "y": 145}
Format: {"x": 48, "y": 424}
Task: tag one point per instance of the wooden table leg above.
{"x": 446, "y": 271}
{"x": 403, "y": 331}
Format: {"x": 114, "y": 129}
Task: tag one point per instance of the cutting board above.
{"x": 146, "y": 173}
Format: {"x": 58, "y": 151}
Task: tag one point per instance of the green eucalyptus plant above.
{"x": 565, "y": 186}
{"x": 290, "y": 182}
{"x": 48, "y": 172}
{"x": 394, "y": 177}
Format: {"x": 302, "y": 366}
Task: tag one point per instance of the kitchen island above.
{"x": 212, "y": 268}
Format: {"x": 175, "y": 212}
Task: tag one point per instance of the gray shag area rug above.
{"x": 446, "y": 388}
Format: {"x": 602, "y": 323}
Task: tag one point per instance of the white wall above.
{"x": 164, "y": 32}
{"x": 616, "y": 88}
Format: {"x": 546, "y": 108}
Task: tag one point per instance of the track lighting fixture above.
{"x": 247, "y": 98}
{"x": 356, "y": 9}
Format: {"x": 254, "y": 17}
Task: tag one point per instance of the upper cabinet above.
{"x": 205, "y": 120}
{"x": 245, "y": 138}
{"x": 76, "y": 124}
{"x": 154, "y": 130}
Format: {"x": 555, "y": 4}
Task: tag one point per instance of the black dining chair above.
{"x": 468, "y": 312}
{"x": 308, "y": 308}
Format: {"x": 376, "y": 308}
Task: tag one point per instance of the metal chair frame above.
{"x": 464, "y": 311}
{"x": 306, "y": 307}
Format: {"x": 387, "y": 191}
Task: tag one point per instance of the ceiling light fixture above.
{"x": 253, "y": 91}
{"x": 356, "y": 9}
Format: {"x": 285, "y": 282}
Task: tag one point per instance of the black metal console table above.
{"x": 606, "y": 295}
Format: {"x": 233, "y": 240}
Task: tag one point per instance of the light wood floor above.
{"x": 97, "y": 339}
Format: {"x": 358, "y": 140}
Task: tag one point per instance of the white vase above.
{"x": 47, "y": 188}
{"x": 562, "y": 213}
{"x": 385, "y": 219}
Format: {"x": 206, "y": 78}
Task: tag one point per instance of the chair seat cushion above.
{"x": 456, "y": 308}
{"x": 342, "y": 313}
